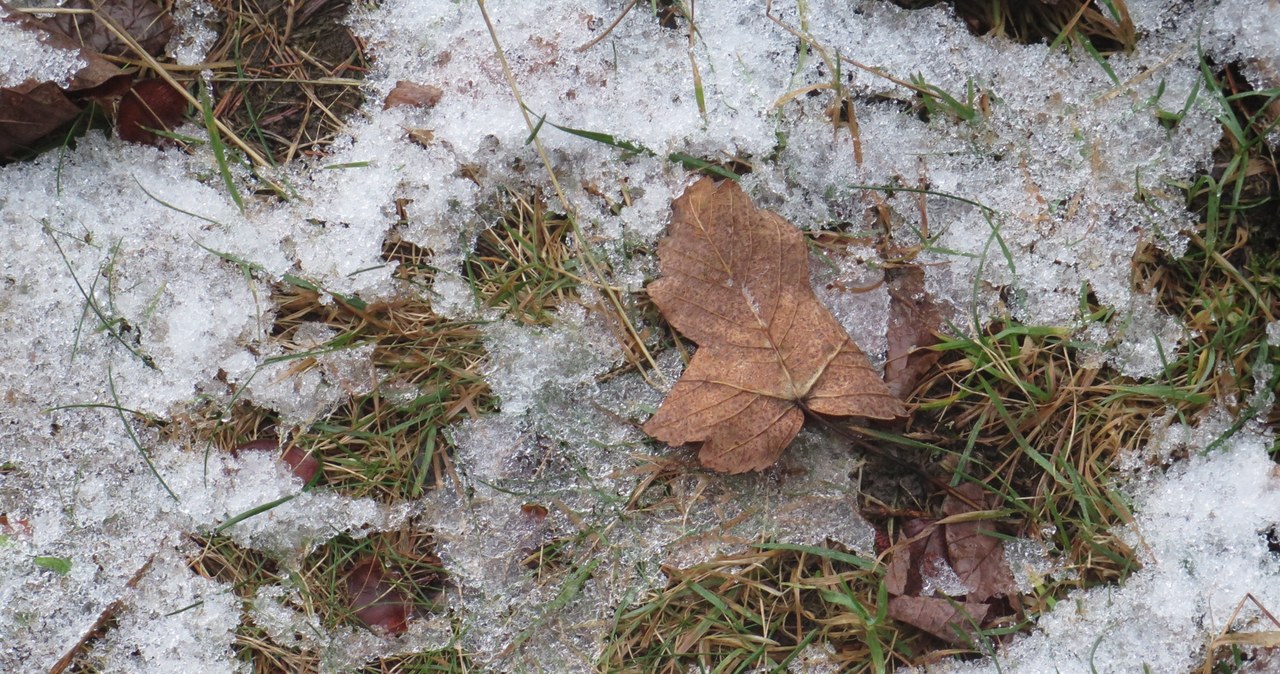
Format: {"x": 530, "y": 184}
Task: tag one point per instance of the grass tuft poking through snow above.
{"x": 444, "y": 306}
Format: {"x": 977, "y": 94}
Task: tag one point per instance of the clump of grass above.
{"x": 320, "y": 589}
{"x": 210, "y": 425}
{"x": 1226, "y": 285}
{"x": 413, "y": 262}
{"x": 760, "y": 610}
{"x": 1015, "y": 409}
{"x": 524, "y": 262}
{"x": 443, "y": 661}
{"x": 289, "y": 73}
{"x": 1103, "y": 27}
{"x": 387, "y": 443}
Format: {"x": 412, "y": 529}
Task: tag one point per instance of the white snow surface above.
{"x": 123, "y": 234}
{"x": 28, "y": 60}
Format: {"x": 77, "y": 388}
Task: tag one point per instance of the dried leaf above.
{"x": 150, "y": 104}
{"x": 144, "y": 20}
{"x": 913, "y": 320}
{"x": 736, "y": 281}
{"x": 375, "y": 600}
{"x": 534, "y": 512}
{"x": 976, "y": 555}
{"x": 948, "y": 619}
{"x": 909, "y": 565}
{"x": 32, "y": 110}
{"x": 412, "y": 94}
{"x": 97, "y": 70}
{"x": 29, "y": 113}
{"x": 304, "y": 465}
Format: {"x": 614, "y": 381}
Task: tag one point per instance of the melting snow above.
{"x": 1070, "y": 166}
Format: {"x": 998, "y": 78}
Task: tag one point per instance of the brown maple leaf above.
{"x": 736, "y": 281}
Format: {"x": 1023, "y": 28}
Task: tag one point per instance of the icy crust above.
{"x": 1059, "y": 165}
{"x": 343, "y": 648}
{"x": 186, "y": 298}
{"x": 95, "y": 505}
{"x": 183, "y": 622}
{"x": 27, "y": 59}
{"x": 1070, "y": 166}
{"x": 1251, "y": 32}
{"x": 569, "y": 454}
{"x": 1202, "y": 531}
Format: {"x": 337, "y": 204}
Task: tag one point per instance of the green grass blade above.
{"x": 219, "y": 148}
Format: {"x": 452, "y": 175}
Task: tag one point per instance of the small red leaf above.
{"x": 151, "y": 104}
{"x": 412, "y": 94}
{"x": 375, "y": 601}
{"x": 304, "y": 465}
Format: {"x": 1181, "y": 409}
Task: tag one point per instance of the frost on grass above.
{"x": 342, "y": 648}
{"x": 1071, "y": 165}
{"x": 1202, "y": 530}
{"x": 528, "y": 363}
{"x": 177, "y": 621}
{"x": 1250, "y": 33}
{"x": 302, "y": 395}
{"x": 550, "y": 531}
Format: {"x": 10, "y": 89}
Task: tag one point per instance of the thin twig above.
{"x": 107, "y": 614}
{"x": 608, "y": 29}
{"x": 150, "y": 61}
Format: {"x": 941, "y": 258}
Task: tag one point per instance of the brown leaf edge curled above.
{"x": 736, "y": 281}
{"x": 32, "y": 110}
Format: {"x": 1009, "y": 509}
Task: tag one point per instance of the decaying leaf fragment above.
{"x": 913, "y": 319}
{"x": 952, "y": 579}
{"x": 146, "y": 21}
{"x": 412, "y": 95}
{"x": 375, "y": 600}
{"x": 31, "y": 110}
{"x": 150, "y": 104}
{"x": 736, "y": 281}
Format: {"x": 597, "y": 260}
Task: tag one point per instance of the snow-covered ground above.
{"x": 1058, "y": 160}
